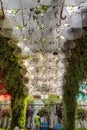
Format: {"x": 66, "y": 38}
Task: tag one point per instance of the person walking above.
{"x": 37, "y": 121}
{"x": 59, "y": 112}
{"x": 28, "y": 116}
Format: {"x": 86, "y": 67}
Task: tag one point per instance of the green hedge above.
{"x": 76, "y": 71}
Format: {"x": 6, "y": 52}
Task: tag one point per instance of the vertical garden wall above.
{"x": 10, "y": 71}
{"x": 76, "y": 71}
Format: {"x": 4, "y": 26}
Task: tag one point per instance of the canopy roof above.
{"x": 17, "y": 4}
{"x": 43, "y": 29}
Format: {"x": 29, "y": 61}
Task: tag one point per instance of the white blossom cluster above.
{"x": 41, "y": 35}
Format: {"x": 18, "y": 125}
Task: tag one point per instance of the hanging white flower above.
{"x": 71, "y": 33}
{"x": 23, "y": 71}
{"x": 16, "y": 33}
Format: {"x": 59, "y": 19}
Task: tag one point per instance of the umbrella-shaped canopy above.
{"x": 17, "y": 4}
{"x": 74, "y": 2}
{"x": 43, "y": 29}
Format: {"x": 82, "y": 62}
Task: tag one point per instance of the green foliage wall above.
{"x": 12, "y": 80}
{"x": 51, "y": 100}
{"x": 76, "y": 71}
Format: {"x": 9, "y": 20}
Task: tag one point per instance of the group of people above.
{"x": 37, "y": 120}
{"x": 29, "y": 114}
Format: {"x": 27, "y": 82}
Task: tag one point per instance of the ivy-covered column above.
{"x": 19, "y": 112}
{"x": 76, "y": 71}
{"x": 69, "y": 98}
{"x": 12, "y": 79}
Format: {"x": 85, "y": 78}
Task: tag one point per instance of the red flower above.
{"x": 8, "y": 97}
{"x": 0, "y": 77}
{"x": 1, "y": 92}
{"x": 1, "y": 86}
{"x": 2, "y": 98}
